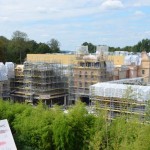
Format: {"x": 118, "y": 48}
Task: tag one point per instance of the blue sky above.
{"x": 110, "y": 22}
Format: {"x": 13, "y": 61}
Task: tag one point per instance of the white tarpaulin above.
{"x": 6, "y": 138}
{"x": 10, "y": 69}
{"x": 129, "y": 59}
{"x": 141, "y": 93}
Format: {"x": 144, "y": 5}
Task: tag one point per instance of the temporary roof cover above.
{"x": 106, "y": 89}
{"x": 6, "y": 138}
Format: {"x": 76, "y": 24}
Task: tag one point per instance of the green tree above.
{"x": 99, "y": 130}
{"x": 2, "y": 51}
{"x": 123, "y": 133}
{"x": 127, "y": 48}
{"x": 32, "y": 46}
{"x": 3, "y": 48}
{"x": 72, "y": 130}
{"x": 43, "y": 48}
{"x": 17, "y": 47}
{"x": 148, "y": 111}
{"x": 54, "y": 46}
{"x": 91, "y": 47}
{"x": 143, "y": 136}
{"x": 33, "y": 128}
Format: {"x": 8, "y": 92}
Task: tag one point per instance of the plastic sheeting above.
{"x": 109, "y": 66}
{"x": 10, "y": 69}
{"x": 140, "y": 93}
{"x": 82, "y": 50}
{"x": 6, "y": 71}
{"x": 121, "y": 53}
{"x": 3, "y": 75}
{"x": 101, "y": 49}
{"x": 132, "y": 59}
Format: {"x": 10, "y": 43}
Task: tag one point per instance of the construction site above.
{"x": 126, "y": 96}
{"x": 40, "y": 81}
{"x": 64, "y": 79}
{"x": 88, "y": 70}
{"x": 7, "y": 75}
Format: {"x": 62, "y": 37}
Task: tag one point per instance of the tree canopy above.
{"x": 44, "y": 128}
{"x": 91, "y": 47}
{"x": 54, "y": 46}
{"x": 143, "y": 45}
{"x": 19, "y": 45}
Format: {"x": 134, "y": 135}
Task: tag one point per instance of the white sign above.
{"x": 6, "y": 138}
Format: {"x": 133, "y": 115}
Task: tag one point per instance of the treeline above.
{"x": 41, "y": 128}
{"x": 19, "y": 45}
{"x": 143, "y": 45}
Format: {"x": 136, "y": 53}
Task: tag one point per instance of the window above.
{"x": 92, "y": 76}
{"x": 80, "y": 84}
{"x": 143, "y": 71}
{"x": 89, "y": 64}
{"x": 85, "y": 74}
{"x": 80, "y": 74}
{"x": 97, "y": 65}
{"x": 82, "y": 64}
{"x": 104, "y": 64}
{"x": 86, "y": 84}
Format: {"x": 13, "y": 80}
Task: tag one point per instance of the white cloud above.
{"x": 2, "y": 18}
{"x": 147, "y": 33}
{"x": 112, "y": 4}
{"x": 41, "y": 9}
{"x": 47, "y": 9}
{"x": 140, "y": 3}
{"x": 139, "y": 13}
{"x": 76, "y": 21}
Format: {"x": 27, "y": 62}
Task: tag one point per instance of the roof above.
{"x": 65, "y": 59}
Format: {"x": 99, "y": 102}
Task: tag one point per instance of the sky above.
{"x": 115, "y": 23}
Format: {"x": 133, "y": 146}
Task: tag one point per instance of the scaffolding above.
{"x": 118, "y": 98}
{"x": 6, "y": 76}
{"x": 44, "y": 81}
{"x": 17, "y": 85}
{"x": 88, "y": 70}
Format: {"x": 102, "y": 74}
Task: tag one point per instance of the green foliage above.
{"x": 142, "y": 142}
{"x": 33, "y": 128}
{"x": 54, "y": 46}
{"x": 122, "y": 134}
{"x": 91, "y": 47}
{"x": 41, "y": 128}
{"x": 19, "y": 46}
{"x": 3, "y": 48}
{"x": 43, "y": 48}
{"x": 143, "y": 45}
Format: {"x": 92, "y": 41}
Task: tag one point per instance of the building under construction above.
{"x": 88, "y": 70}
{"x": 40, "y": 81}
{"x": 127, "y": 96}
{"x": 6, "y": 78}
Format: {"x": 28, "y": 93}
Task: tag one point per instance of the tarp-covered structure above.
{"x": 115, "y": 90}
{"x": 6, "y": 71}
